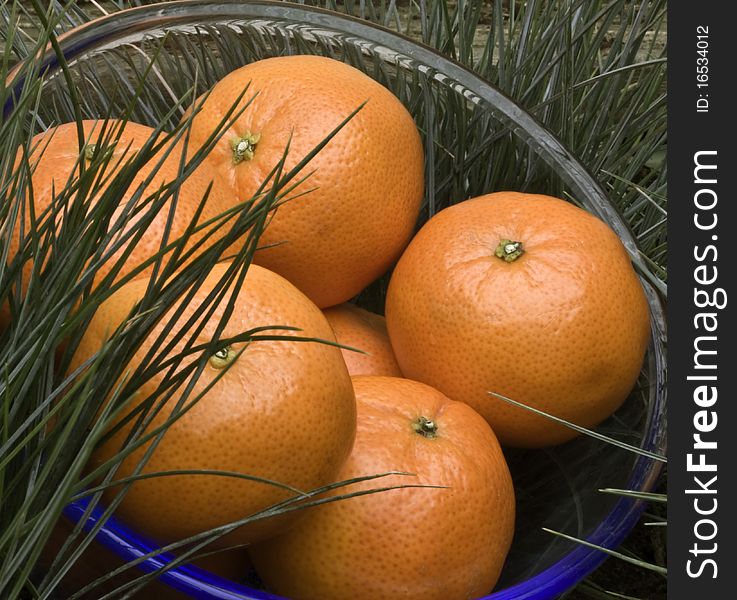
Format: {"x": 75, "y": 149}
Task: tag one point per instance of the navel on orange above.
{"x": 526, "y": 296}
{"x": 365, "y": 331}
{"x": 365, "y": 186}
{"x": 284, "y": 411}
{"x": 426, "y": 543}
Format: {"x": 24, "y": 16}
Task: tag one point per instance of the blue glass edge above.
{"x": 201, "y": 584}
{"x": 129, "y": 546}
{"x": 206, "y": 586}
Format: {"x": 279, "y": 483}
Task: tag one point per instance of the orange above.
{"x": 366, "y": 331}
{"x": 285, "y": 411}
{"x": 55, "y": 159}
{"x": 563, "y": 328}
{"x": 358, "y": 208}
{"x": 426, "y": 543}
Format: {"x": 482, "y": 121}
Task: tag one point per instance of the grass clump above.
{"x": 591, "y": 71}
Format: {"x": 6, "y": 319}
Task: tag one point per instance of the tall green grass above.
{"x": 592, "y": 71}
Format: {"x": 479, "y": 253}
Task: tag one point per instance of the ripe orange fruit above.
{"x": 414, "y": 543}
{"x": 363, "y": 330}
{"x": 562, "y": 328}
{"x": 366, "y": 184}
{"x": 55, "y": 159}
{"x": 283, "y": 411}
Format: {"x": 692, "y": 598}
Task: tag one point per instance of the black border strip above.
{"x": 702, "y": 401}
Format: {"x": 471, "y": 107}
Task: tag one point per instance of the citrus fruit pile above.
{"x": 505, "y": 296}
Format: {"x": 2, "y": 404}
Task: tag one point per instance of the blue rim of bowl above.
{"x": 581, "y": 561}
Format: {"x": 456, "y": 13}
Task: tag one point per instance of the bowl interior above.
{"x": 477, "y": 141}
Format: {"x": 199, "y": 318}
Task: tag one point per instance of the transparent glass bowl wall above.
{"x": 503, "y": 148}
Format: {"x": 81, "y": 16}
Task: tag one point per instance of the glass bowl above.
{"x": 557, "y": 488}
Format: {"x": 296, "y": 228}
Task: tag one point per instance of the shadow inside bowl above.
{"x": 476, "y": 141}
